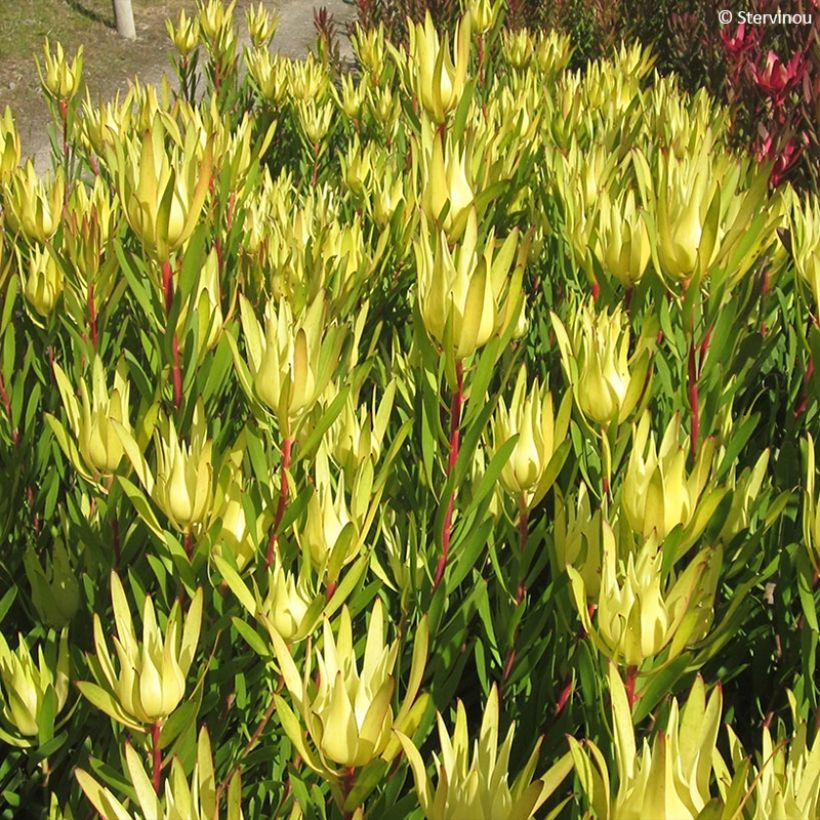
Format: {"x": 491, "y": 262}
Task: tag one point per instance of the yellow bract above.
{"x": 292, "y": 358}
{"x": 468, "y": 295}
{"x": 179, "y": 800}
{"x": 540, "y": 433}
{"x": 436, "y": 76}
{"x": 348, "y": 714}
{"x": 184, "y": 475}
{"x": 670, "y": 777}
{"x": 639, "y": 611}
{"x": 480, "y": 788}
{"x": 42, "y": 279}
{"x": 26, "y": 685}
{"x": 9, "y": 146}
{"x": 607, "y": 382}
{"x": 150, "y": 683}
{"x": 805, "y": 242}
{"x": 162, "y": 188}
{"x": 657, "y": 493}
{"x": 60, "y": 78}
{"x": 34, "y": 206}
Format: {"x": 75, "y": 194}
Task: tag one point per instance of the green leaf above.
{"x": 252, "y": 637}
{"x": 143, "y": 508}
{"x": 805, "y": 587}
{"x": 236, "y": 584}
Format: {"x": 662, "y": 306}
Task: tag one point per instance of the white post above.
{"x": 124, "y": 19}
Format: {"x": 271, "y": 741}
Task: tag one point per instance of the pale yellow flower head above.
{"x": 150, "y": 683}
{"x": 346, "y": 711}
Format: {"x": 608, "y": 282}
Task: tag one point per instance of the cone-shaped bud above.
{"x": 94, "y": 418}
{"x": 671, "y": 775}
{"x": 483, "y": 14}
{"x": 437, "y": 76}
{"x": 34, "y": 206}
{"x": 805, "y": 243}
{"x": 445, "y": 179}
{"x": 784, "y": 778}
{"x": 290, "y": 607}
{"x": 468, "y": 295}
{"x": 531, "y": 417}
{"x": 640, "y": 611}
{"x": 606, "y": 381}
{"x": 179, "y": 799}
{"x": 261, "y": 24}
{"x": 150, "y": 683}
{"x": 10, "y": 150}
{"x": 577, "y": 539}
{"x": 184, "y": 475}
{"x": 348, "y": 714}
{"x": 479, "y": 786}
{"x": 292, "y": 358}
{"x": 162, "y": 188}
{"x": 43, "y": 281}
{"x": 25, "y": 686}
{"x": 60, "y": 78}
{"x": 328, "y": 517}
{"x": 657, "y": 494}
{"x": 622, "y": 240}
{"x": 185, "y": 34}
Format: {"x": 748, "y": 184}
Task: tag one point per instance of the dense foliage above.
{"x": 436, "y": 441}
{"x": 768, "y": 73}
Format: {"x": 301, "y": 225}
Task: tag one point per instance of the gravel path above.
{"x": 294, "y": 38}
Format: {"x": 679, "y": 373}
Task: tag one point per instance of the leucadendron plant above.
{"x": 151, "y": 681}
{"x": 669, "y": 776}
{"x": 344, "y": 719}
{"x": 478, "y": 785}
{"x": 32, "y": 695}
{"x": 178, "y": 800}
{"x": 351, "y": 418}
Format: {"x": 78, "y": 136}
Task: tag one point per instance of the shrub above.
{"x": 474, "y": 390}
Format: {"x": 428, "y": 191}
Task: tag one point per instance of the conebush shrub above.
{"x": 436, "y": 440}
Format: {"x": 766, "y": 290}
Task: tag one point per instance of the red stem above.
{"x": 188, "y": 544}
{"x": 92, "y": 314}
{"x": 287, "y": 446}
{"x": 563, "y": 698}
{"x": 523, "y": 534}
{"x": 631, "y": 676}
{"x": 177, "y": 372}
{"x": 596, "y": 290}
{"x": 4, "y": 398}
{"x": 455, "y": 438}
{"x": 156, "y": 779}
{"x": 694, "y": 399}
{"x": 167, "y": 286}
{"x": 348, "y": 782}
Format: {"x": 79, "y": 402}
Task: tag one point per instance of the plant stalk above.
{"x": 455, "y": 439}
{"x": 287, "y": 447}
{"x": 156, "y": 778}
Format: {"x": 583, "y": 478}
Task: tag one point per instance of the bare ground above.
{"x": 111, "y": 61}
